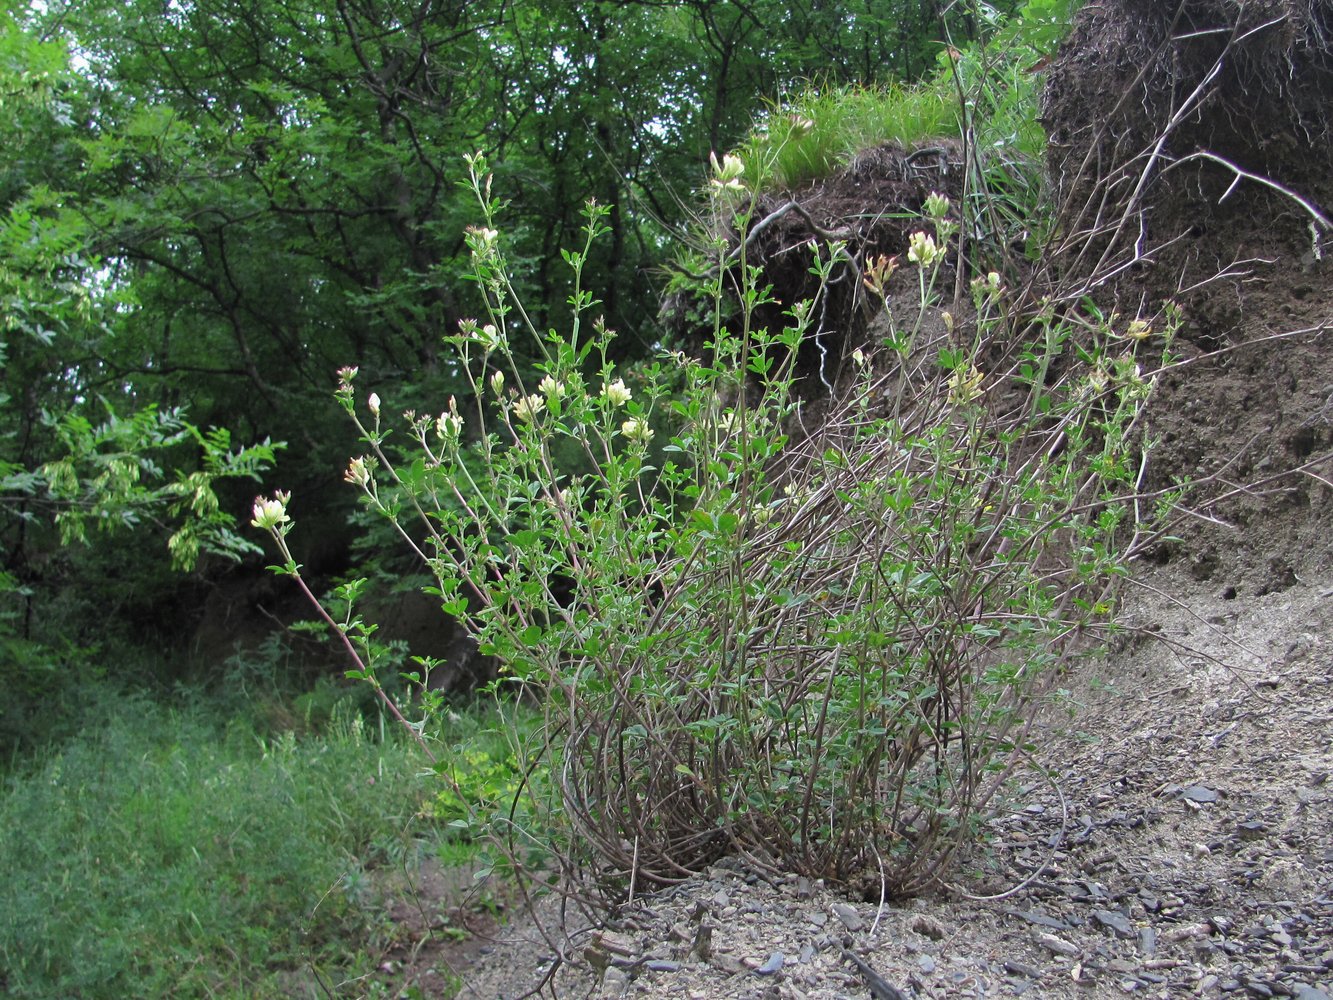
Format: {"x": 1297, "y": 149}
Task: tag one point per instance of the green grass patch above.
{"x": 165, "y": 853}
{"x": 988, "y": 89}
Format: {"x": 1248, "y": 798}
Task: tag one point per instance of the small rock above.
{"x": 1022, "y": 969}
{"x": 615, "y": 983}
{"x": 807, "y": 953}
{"x": 1040, "y": 919}
{"x": 661, "y": 965}
{"x": 803, "y": 890}
{"x": 616, "y": 944}
{"x": 926, "y": 964}
{"x": 1187, "y": 931}
{"x": 1055, "y": 945}
{"x": 1200, "y": 794}
{"x": 849, "y": 917}
{"x": 1302, "y": 991}
{"x": 773, "y": 965}
{"x": 1115, "y": 922}
{"x": 1147, "y": 942}
{"x": 928, "y": 927}
{"x": 729, "y": 964}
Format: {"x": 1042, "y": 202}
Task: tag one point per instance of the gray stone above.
{"x": 773, "y": 965}
{"x": 849, "y": 917}
{"x": 615, "y": 983}
{"x": 1055, "y": 945}
{"x": 1022, "y": 969}
{"x": 1115, "y": 922}
{"x": 1147, "y": 942}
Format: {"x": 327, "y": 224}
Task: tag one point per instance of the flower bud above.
{"x": 357, "y": 473}
{"x": 937, "y": 205}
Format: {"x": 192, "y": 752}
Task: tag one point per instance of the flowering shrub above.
{"x": 817, "y": 651}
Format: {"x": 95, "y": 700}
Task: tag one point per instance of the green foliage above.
{"x": 155, "y": 854}
{"x": 483, "y": 770}
{"x": 822, "y": 128}
{"x": 816, "y": 651}
{"x": 819, "y": 130}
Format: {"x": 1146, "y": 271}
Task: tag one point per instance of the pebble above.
{"x": 1022, "y": 969}
{"x": 773, "y": 965}
{"x": 1147, "y": 942}
{"x": 615, "y": 983}
{"x": 849, "y": 917}
{"x": 1115, "y": 922}
{"x": 1055, "y": 945}
{"x": 1040, "y": 919}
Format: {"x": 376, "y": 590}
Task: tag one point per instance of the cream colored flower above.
{"x": 271, "y": 514}
{"x": 357, "y": 473}
{"x": 921, "y": 249}
{"x": 1138, "y": 329}
{"x": 550, "y": 388}
{"x": 617, "y": 393}
{"x": 373, "y": 404}
{"x": 637, "y": 431}
{"x": 450, "y": 424}
{"x": 526, "y": 408}
{"x": 498, "y": 382}
{"x": 490, "y": 338}
{"x": 727, "y": 173}
{"x": 965, "y": 386}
